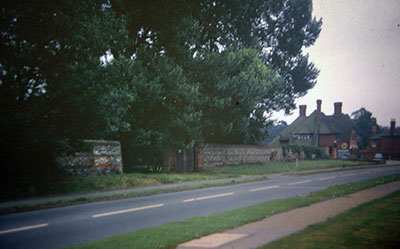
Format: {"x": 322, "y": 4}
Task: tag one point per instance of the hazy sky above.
{"x": 358, "y": 54}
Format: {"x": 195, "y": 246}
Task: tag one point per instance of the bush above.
{"x": 308, "y": 150}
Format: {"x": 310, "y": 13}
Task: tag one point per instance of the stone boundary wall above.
{"x": 210, "y": 155}
{"x": 100, "y": 157}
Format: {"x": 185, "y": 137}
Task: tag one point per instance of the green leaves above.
{"x": 183, "y": 72}
{"x": 235, "y": 85}
{"x": 308, "y": 150}
{"x": 363, "y": 122}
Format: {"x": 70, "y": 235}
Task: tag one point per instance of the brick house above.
{"x": 386, "y": 143}
{"x": 335, "y": 133}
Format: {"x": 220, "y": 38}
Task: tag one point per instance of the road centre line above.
{"x": 127, "y": 210}
{"x": 301, "y": 182}
{"x": 23, "y": 228}
{"x": 352, "y": 174}
{"x": 364, "y": 173}
{"x": 264, "y": 188}
{"x": 326, "y": 178}
{"x": 208, "y": 197}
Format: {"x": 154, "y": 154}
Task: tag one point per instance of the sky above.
{"x": 358, "y": 55}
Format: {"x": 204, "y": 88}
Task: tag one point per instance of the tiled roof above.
{"x": 341, "y": 126}
{"x": 386, "y": 134}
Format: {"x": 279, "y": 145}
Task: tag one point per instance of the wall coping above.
{"x": 244, "y": 145}
{"x": 104, "y": 142}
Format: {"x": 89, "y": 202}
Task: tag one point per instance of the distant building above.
{"x": 386, "y": 143}
{"x": 335, "y": 133}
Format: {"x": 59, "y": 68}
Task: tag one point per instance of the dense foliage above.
{"x": 363, "y": 122}
{"x": 310, "y": 151}
{"x": 148, "y": 73}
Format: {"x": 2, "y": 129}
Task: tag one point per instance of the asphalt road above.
{"x": 73, "y": 225}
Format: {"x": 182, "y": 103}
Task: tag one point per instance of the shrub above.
{"x": 308, "y": 150}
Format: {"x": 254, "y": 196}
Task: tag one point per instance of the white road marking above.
{"x": 23, "y": 228}
{"x": 352, "y": 174}
{"x": 295, "y": 183}
{"x": 127, "y": 210}
{"x": 208, "y": 197}
{"x": 364, "y": 173}
{"x": 326, "y": 178}
{"x": 264, "y": 188}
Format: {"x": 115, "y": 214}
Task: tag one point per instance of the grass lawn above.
{"x": 81, "y": 184}
{"x": 86, "y": 184}
{"x": 172, "y": 234}
{"x": 372, "y": 225}
{"x": 105, "y": 197}
{"x": 129, "y": 180}
{"x": 277, "y": 167}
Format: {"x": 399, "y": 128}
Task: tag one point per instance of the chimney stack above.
{"x": 318, "y": 116}
{"x": 338, "y": 109}
{"x": 392, "y": 127}
{"x": 373, "y": 133}
{"x": 302, "y": 110}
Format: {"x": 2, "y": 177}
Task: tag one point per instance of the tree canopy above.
{"x": 278, "y": 30}
{"x": 181, "y": 72}
{"x": 364, "y": 121}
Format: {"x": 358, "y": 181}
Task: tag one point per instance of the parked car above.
{"x": 378, "y": 157}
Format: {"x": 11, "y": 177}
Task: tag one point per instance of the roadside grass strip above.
{"x": 105, "y": 197}
{"x": 370, "y": 225}
{"x": 172, "y": 234}
{"x": 87, "y": 184}
{"x": 280, "y": 167}
{"x": 90, "y": 184}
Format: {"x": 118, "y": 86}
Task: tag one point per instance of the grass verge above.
{"x": 278, "y": 167}
{"x": 371, "y": 225}
{"x": 85, "y": 184}
{"x": 88, "y": 199}
{"x": 81, "y": 184}
{"x": 172, "y": 234}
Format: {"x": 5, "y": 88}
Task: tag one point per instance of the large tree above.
{"x": 364, "y": 121}
{"x": 182, "y": 71}
{"x": 189, "y": 32}
{"x": 163, "y": 110}
{"x": 51, "y": 82}
{"x": 50, "y": 61}
{"x": 233, "y": 85}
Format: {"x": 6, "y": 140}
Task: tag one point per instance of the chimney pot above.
{"x": 318, "y": 116}
{"x": 302, "y": 109}
{"x": 319, "y": 102}
{"x": 373, "y": 133}
{"x": 392, "y": 127}
{"x": 338, "y": 109}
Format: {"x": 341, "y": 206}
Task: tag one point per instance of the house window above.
{"x": 373, "y": 144}
{"x": 302, "y": 136}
